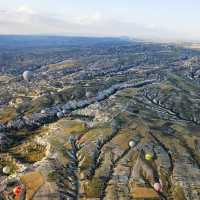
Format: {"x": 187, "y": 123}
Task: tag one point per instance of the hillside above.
{"x": 100, "y": 119}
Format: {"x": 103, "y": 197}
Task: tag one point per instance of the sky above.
{"x": 170, "y": 20}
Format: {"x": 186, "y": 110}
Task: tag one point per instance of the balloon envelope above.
{"x": 148, "y": 156}
{"x": 131, "y": 143}
{"x": 59, "y": 114}
{"x": 88, "y": 94}
{"x": 43, "y": 112}
{"x": 64, "y": 111}
{"x": 27, "y": 75}
{"x": 17, "y": 190}
{"x": 6, "y": 170}
{"x": 157, "y": 187}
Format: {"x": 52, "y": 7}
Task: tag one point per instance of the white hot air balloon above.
{"x": 43, "y": 112}
{"x": 6, "y": 170}
{"x": 88, "y": 94}
{"x": 27, "y": 75}
{"x": 64, "y": 111}
{"x": 131, "y": 143}
{"x": 59, "y": 115}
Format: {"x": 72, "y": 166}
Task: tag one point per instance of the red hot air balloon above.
{"x": 17, "y": 191}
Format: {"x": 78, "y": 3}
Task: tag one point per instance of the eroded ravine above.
{"x": 78, "y": 145}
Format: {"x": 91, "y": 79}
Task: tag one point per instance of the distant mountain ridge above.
{"x": 37, "y": 40}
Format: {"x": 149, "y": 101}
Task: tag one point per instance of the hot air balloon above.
{"x": 27, "y": 75}
{"x": 43, "y": 112}
{"x": 131, "y": 143}
{"x": 64, "y": 111}
{"x": 59, "y": 114}
{"x": 148, "y": 156}
{"x": 157, "y": 187}
{"x": 6, "y": 170}
{"x": 88, "y": 94}
{"x": 17, "y": 191}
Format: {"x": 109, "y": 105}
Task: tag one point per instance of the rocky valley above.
{"x": 98, "y": 119}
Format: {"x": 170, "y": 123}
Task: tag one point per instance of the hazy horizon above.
{"x": 155, "y": 20}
